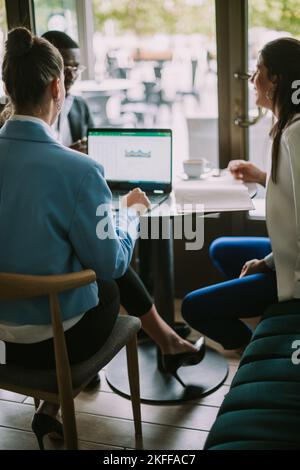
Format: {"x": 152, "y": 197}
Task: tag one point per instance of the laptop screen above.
{"x": 133, "y": 157}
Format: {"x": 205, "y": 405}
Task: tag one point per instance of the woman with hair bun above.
{"x": 49, "y": 196}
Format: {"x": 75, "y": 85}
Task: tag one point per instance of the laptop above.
{"x": 134, "y": 158}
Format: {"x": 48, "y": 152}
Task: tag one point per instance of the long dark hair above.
{"x": 30, "y": 64}
{"x": 282, "y": 60}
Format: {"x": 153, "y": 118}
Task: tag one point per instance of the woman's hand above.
{"x": 80, "y": 145}
{"x": 136, "y": 199}
{"x": 254, "y": 266}
{"x": 247, "y": 172}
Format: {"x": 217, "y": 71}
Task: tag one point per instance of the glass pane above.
{"x": 57, "y": 15}
{"x": 268, "y": 20}
{"x": 159, "y": 70}
{"x": 3, "y": 33}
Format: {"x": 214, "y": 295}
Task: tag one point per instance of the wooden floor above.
{"x": 104, "y": 419}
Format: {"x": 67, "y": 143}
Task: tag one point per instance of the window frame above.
{"x": 20, "y": 13}
{"x": 84, "y": 9}
{"x": 232, "y": 53}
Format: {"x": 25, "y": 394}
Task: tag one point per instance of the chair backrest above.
{"x": 23, "y": 286}
{"x": 20, "y": 286}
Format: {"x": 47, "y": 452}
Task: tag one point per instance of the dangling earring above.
{"x": 270, "y": 95}
{"x": 57, "y": 103}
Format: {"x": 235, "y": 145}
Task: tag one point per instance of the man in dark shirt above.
{"x": 75, "y": 117}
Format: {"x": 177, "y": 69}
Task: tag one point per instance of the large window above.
{"x": 162, "y": 53}
{"x": 268, "y": 20}
{"x": 56, "y": 15}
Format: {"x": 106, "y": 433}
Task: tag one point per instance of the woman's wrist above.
{"x": 264, "y": 266}
{"x": 262, "y": 178}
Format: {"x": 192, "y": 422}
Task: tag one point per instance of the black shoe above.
{"x": 172, "y": 362}
{"x": 43, "y": 424}
{"x": 93, "y": 383}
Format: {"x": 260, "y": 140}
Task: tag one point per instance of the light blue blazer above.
{"x": 49, "y": 197}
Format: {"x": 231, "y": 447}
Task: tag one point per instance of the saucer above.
{"x": 185, "y": 177}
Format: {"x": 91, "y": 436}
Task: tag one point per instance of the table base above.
{"x": 192, "y": 382}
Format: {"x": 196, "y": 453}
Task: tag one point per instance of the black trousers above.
{"x": 87, "y": 336}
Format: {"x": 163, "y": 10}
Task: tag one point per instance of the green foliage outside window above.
{"x": 156, "y": 16}
{"x": 147, "y": 17}
{"x": 2, "y": 16}
{"x": 279, "y": 15}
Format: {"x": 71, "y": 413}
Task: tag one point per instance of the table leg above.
{"x": 163, "y": 274}
{"x": 163, "y": 279}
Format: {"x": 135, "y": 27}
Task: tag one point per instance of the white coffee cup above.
{"x": 194, "y": 168}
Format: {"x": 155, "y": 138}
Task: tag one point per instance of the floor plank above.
{"x": 14, "y": 439}
{"x": 16, "y": 415}
{"x": 232, "y": 371}
{"x": 185, "y": 415}
{"x": 109, "y": 431}
{"x": 121, "y": 432}
{"x": 10, "y": 396}
{"x": 92, "y": 446}
{"x": 214, "y": 399}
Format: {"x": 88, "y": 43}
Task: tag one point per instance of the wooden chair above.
{"x": 64, "y": 383}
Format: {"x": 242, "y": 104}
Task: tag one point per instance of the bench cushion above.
{"x": 262, "y": 407}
